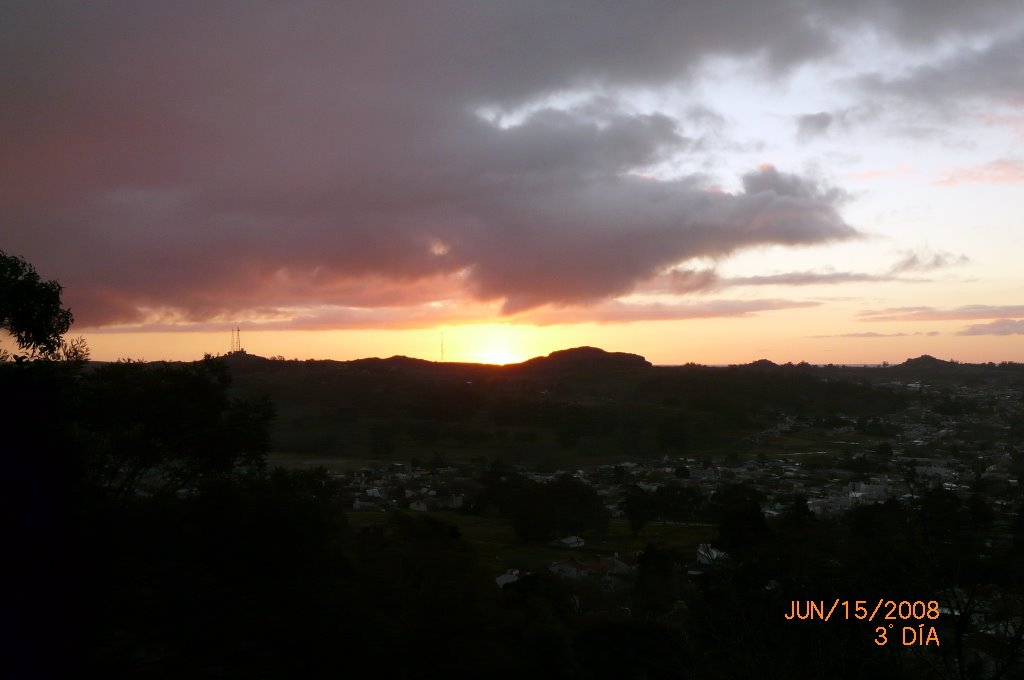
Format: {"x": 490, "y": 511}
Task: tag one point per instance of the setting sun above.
{"x": 499, "y": 355}
{"x": 491, "y": 343}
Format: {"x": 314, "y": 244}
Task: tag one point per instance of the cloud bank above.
{"x": 189, "y": 162}
{"x": 997, "y": 327}
{"x": 963, "y": 313}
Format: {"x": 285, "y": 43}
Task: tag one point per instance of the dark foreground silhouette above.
{"x": 151, "y": 540}
{"x": 148, "y": 537}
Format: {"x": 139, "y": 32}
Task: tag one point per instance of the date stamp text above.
{"x": 909, "y": 622}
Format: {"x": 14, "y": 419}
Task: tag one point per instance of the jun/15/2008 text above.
{"x": 888, "y": 612}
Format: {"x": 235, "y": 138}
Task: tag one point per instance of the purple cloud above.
{"x": 997, "y": 327}
{"x": 196, "y": 160}
{"x": 933, "y": 314}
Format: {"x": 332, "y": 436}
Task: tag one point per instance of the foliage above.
{"x": 639, "y": 508}
{"x": 30, "y": 308}
{"x": 736, "y": 508}
{"x": 540, "y": 512}
{"x": 160, "y": 428}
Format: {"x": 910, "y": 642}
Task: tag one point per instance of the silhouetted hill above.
{"x": 572, "y": 405}
{"x": 926, "y": 361}
{"x": 244, "y": 359}
{"x": 395, "y": 363}
{"x": 585, "y": 359}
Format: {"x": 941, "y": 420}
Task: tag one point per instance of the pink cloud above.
{"x": 883, "y": 173}
{"x": 1003, "y": 171}
{"x": 997, "y": 327}
{"x": 617, "y": 311}
{"x": 1014, "y": 122}
{"x": 428, "y": 315}
{"x": 965, "y": 312}
{"x": 872, "y": 334}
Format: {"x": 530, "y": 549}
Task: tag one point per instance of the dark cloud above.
{"x": 195, "y": 160}
{"x": 927, "y": 260}
{"x": 803, "y": 279}
{"x": 204, "y": 161}
{"x": 425, "y": 316}
{"x": 925, "y": 21}
{"x": 321, "y": 318}
{"x": 991, "y": 73}
{"x": 997, "y": 327}
{"x": 684, "y": 281}
{"x": 813, "y": 125}
{"x": 705, "y": 117}
{"x": 941, "y": 99}
{"x": 769, "y": 179}
{"x": 826, "y": 123}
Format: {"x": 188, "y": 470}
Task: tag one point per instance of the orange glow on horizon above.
{"x": 499, "y": 356}
{"x": 783, "y": 336}
{"x": 492, "y": 343}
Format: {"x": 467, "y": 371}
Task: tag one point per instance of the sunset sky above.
{"x": 718, "y": 182}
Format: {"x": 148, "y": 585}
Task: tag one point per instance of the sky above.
{"x": 796, "y": 180}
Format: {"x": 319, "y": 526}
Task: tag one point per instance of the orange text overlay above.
{"x": 909, "y": 622}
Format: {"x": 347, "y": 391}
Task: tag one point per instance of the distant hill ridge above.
{"x": 575, "y": 359}
{"x": 587, "y": 358}
{"x": 926, "y": 361}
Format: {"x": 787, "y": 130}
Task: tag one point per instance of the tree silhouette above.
{"x": 160, "y": 428}
{"x": 741, "y": 524}
{"x": 40, "y": 503}
{"x": 30, "y": 308}
{"x": 639, "y": 508}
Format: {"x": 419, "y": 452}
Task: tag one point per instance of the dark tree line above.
{"x": 540, "y": 511}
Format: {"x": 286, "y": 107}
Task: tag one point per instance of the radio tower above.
{"x": 236, "y": 340}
